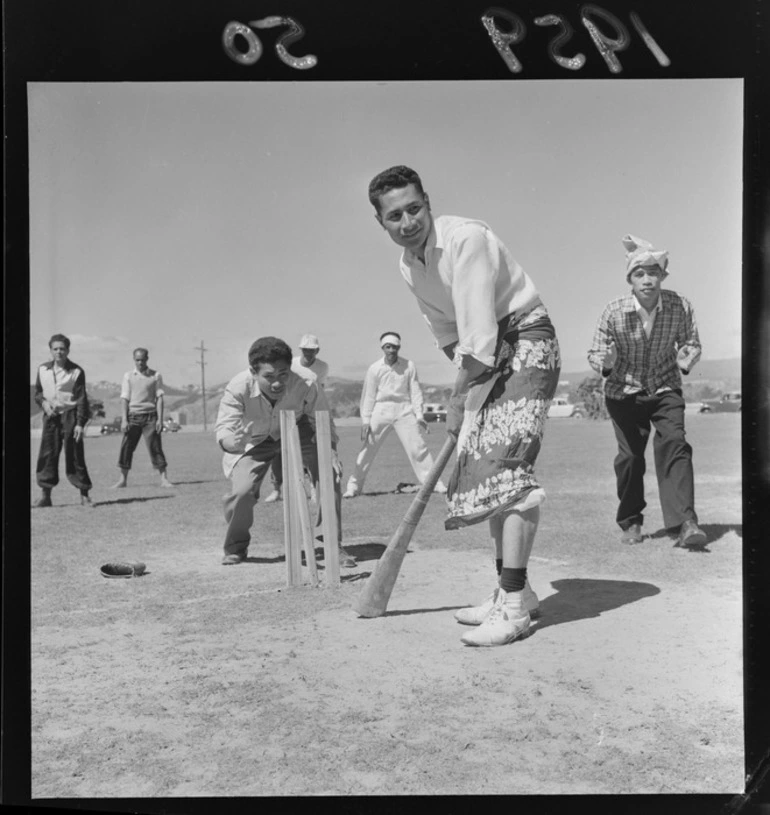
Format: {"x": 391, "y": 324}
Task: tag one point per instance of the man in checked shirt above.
{"x": 642, "y": 345}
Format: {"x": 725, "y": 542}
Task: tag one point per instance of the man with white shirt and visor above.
{"x": 391, "y": 399}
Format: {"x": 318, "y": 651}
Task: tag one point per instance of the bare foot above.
{"x": 120, "y": 485}
{"x": 166, "y": 483}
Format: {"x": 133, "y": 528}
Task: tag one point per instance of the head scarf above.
{"x": 640, "y": 252}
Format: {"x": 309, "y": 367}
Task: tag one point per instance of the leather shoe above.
{"x": 633, "y": 534}
{"x": 43, "y": 501}
{"x": 691, "y": 535}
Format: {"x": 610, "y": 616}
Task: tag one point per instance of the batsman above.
{"x": 488, "y": 318}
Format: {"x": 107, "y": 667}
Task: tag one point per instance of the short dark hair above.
{"x": 394, "y": 178}
{"x": 269, "y": 349}
{"x": 59, "y": 338}
{"x": 394, "y": 333}
{"x": 144, "y": 350}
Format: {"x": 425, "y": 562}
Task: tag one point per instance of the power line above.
{"x": 202, "y": 363}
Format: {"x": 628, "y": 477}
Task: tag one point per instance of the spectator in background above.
{"x": 141, "y": 397}
{"x": 643, "y": 343}
{"x": 391, "y": 399}
{"x": 60, "y": 390}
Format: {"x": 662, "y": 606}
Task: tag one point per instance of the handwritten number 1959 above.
{"x": 254, "y": 52}
{"x": 589, "y": 13}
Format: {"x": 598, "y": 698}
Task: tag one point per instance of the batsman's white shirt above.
{"x": 468, "y": 283}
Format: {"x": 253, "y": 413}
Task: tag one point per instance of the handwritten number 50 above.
{"x": 295, "y": 32}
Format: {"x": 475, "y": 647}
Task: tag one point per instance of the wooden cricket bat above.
{"x": 375, "y": 594}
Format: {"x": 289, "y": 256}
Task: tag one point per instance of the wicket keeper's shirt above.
{"x": 243, "y": 402}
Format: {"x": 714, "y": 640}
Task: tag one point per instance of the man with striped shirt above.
{"x": 642, "y": 345}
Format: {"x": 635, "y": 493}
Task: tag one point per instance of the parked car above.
{"x": 111, "y": 427}
{"x": 434, "y": 413}
{"x": 726, "y": 403}
{"x": 171, "y": 426}
{"x": 562, "y": 408}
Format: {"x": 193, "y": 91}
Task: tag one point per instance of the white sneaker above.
{"x": 507, "y": 621}
{"x": 274, "y": 496}
{"x": 474, "y": 615}
{"x": 440, "y": 488}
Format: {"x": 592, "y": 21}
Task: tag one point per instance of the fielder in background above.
{"x": 391, "y": 399}
{"x": 60, "y": 390}
{"x": 642, "y": 345}
{"x": 488, "y": 318}
{"x": 141, "y": 397}
{"x": 313, "y": 369}
{"x": 248, "y": 431}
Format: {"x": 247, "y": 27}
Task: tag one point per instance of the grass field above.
{"x": 198, "y": 679}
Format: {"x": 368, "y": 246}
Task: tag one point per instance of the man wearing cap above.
{"x": 391, "y": 399}
{"x": 312, "y": 369}
{"x": 642, "y": 345}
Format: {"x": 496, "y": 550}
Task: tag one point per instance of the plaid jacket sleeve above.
{"x": 689, "y": 340}
{"x": 601, "y": 339}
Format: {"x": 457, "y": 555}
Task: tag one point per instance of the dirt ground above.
{"x": 199, "y": 680}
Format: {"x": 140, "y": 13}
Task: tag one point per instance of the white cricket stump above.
{"x": 298, "y": 527}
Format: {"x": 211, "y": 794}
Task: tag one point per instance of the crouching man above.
{"x": 249, "y": 432}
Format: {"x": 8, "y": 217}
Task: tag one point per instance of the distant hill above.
{"x": 721, "y": 373}
{"x": 709, "y": 377}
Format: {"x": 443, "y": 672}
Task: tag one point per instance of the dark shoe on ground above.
{"x": 633, "y": 534}
{"x": 43, "y": 501}
{"x": 691, "y": 536}
{"x": 346, "y": 560}
{"x": 232, "y": 560}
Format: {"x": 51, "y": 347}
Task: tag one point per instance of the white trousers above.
{"x": 385, "y": 417}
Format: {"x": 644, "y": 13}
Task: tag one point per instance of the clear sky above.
{"x": 163, "y": 214}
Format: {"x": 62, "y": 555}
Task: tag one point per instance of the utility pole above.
{"x": 203, "y": 350}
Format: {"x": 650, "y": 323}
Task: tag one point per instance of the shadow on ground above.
{"x": 365, "y": 551}
{"x": 132, "y": 500}
{"x": 580, "y": 598}
{"x": 713, "y": 533}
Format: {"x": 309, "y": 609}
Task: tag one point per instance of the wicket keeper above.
{"x": 248, "y": 431}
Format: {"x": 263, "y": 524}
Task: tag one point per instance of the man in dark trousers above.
{"x": 60, "y": 390}
{"x": 642, "y": 345}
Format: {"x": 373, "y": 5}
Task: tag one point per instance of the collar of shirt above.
{"x": 642, "y": 311}
{"x": 435, "y": 241}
